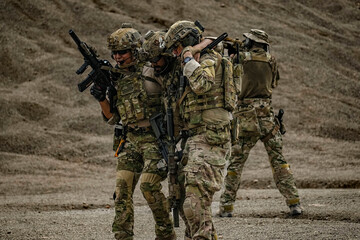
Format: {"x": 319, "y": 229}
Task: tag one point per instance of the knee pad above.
{"x": 124, "y": 183}
{"x": 150, "y": 178}
{"x": 192, "y": 204}
{"x": 150, "y": 184}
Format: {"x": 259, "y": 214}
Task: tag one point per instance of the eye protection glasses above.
{"x": 121, "y": 52}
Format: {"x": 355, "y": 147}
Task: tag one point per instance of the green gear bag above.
{"x": 247, "y": 123}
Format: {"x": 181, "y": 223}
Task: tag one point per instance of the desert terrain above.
{"x": 57, "y": 170}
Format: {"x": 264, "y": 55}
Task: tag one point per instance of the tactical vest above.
{"x": 134, "y": 103}
{"x": 171, "y": 83}
{"x": 216, "y": 97}
{"x": 257, "y": 77}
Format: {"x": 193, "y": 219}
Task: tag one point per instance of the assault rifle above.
{"x": 100, "y": 73}
{"x": 213, "y": 43}
{"x": 167, "y": 148}
{"x": 174, "y": 187}
{"x": 157, "y": 125}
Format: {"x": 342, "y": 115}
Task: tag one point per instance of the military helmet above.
{"x": 154, "y": 44}
{"x": 180, "y": 30}
{"x": 125, "y": 38}
{"x": 257, "y": 36}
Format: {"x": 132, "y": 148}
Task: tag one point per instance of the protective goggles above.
{"x": 121, "y": 52}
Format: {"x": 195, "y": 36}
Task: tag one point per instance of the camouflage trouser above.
{"x": 141, "y": 157}
{"x": 203, "y": 176}
{"x": 246, "y": 140}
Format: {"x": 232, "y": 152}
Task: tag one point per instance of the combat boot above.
{"x": 226, "y": 211}
{"x": 295, "y": 210}
{"x": 122, "y": 236}
{"x": 172, "y": 237}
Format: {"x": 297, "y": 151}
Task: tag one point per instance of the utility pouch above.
{"x": 237, "y": 75}
{"x": 131, "y": 104}
{"x": 230, "y": 95}
{"x": 248, "y": 124}
{"x": 217, "y": 134}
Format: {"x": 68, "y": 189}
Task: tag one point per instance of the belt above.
{"x": 256, "y": 102}
{"x": 139, "y": 130}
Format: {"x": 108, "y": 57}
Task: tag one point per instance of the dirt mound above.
{"x": 42, "y": 113}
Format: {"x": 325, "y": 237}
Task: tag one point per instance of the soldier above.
{"x": 138, "y": 98}
{"x": 166, "y": 68}
{"x": 168, "y": 71}
{"x": 207, "y": 122}
{"x": 255, "y": 120}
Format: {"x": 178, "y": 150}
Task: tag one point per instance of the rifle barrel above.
{"x": 214, "y": 43}
{"x": 75, "y": 37}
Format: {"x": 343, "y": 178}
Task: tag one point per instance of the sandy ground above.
{"x": 57, "y": 170}
{"x": 260, "y": 214}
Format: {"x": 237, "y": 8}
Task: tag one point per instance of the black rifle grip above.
{"x": 175, "y": 212}
{"x": 280, "y": 114}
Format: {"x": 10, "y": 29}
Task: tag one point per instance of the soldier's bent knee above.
{"x": 192, "y": 203}
{"x": 150, "y": 178}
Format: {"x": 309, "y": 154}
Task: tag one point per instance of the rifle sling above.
{"x": 187, "y": 90}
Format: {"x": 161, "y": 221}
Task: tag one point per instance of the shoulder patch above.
{"x": 148, "y": 72}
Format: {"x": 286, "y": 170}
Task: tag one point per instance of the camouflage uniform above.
{"x": 169, "y": 75}
{"x": 138, "y": 97}
{"x": 255, "y": 120}
{"x": 202, "y": 110}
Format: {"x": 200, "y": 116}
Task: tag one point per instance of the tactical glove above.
{"x": 98, "y": 92}
{"x": 192, "y": 50}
